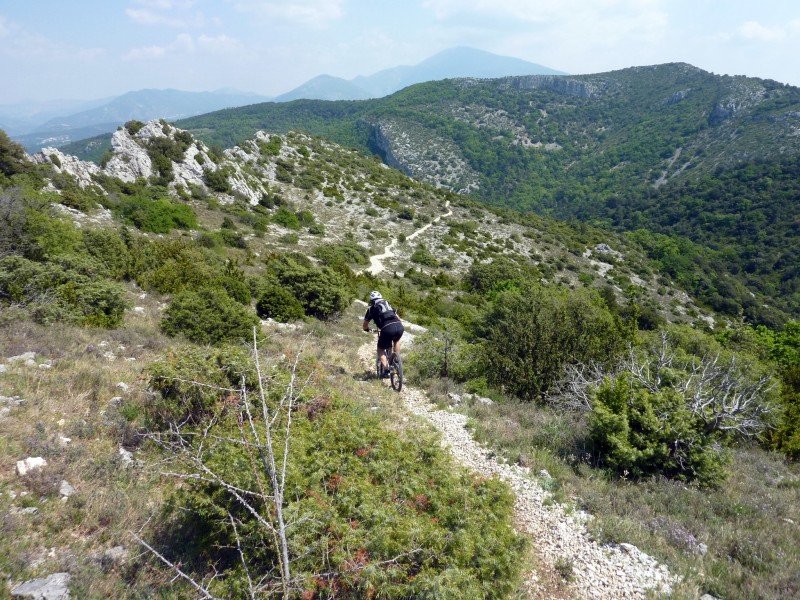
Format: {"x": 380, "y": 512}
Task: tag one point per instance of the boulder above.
{"x": 32, "y": 463}
{"x": 66, "y": 490}
{"x": 24, "y": 357}
{"x": 113, "y": 557}
{"x": 454, "y": 398}
{"x": 126, "y": 456}
{"x": 53, "y": 587}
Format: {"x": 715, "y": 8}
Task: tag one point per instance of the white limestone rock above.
{"x": 130, "y": 160}
{"x": 53, "y": 587}
{"x": 32, "y": 463}
{"x": 81, "y": 170}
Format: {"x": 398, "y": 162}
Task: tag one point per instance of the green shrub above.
{"x": 276, "y": 302}
{"x": 55, "y": 292}
{"x": 422, "y": 256}
{"x": 290, "y": 239}
{"x": 107, "y": 247}
{"x": 643, "y": 433}
{"x": 272, "y": 147}
{"x": 95, "y": 303}
{"x": 217, "y": 180}
{"x": 234, "y": 239}
{"x": 531, "y": 334}
{"x": 434, "y": 533}
{"x": 286, "y": 218}
{"x": 483, "y": 277}
{"x": 208, "y": 316}
{"x": 406, "y": 213}
{"x": 168, "y": 266}
{"x": 322, "y": 292}
{"x": 342, "y": 253}
{"x": 193, "y": 383}
{"x": 13, "y": 158}
{"x": 156, "y": 216}
{"x": 134, "y": 126}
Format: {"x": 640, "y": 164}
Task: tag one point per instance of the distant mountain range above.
{"x": 57, "y": 123}
{"x": 448, "y": 64}
{"x": 98, "y": 117}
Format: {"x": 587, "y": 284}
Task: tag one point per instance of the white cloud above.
{"x": 184, "y": 44}
{"x": 757, "y": 32}
{"x": 311, "y": 13}
{"x": 543, "y": 11}
{"x": 19, "y": 43}
{"x": 168, "y": 13}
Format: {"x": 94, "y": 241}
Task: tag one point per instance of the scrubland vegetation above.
{"x": 267, "y": 462}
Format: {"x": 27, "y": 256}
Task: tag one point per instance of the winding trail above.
{"x": 558, "y": 537}
{"x": 376, "y": 265}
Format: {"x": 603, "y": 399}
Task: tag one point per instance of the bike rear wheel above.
{"x": 396, "y": 373}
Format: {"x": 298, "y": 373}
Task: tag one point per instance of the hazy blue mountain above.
{"x": 454, "y": 62}
{"x": 24, "y": 117}
{"x": 326, "y": 87}
{"x": 142, "y": 105}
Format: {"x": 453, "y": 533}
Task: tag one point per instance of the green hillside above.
{"x": 669, "y": 149}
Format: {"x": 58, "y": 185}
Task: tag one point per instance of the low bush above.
{"x": 156, "y": 216}
{"x": 423, "y": 256}
{"x": 642, "y": 433}
{"x": 322, "y": 292}
{"x": 208, "y": 316}
{"x": 192, "y": 383}
{"x": 357, "y": 531}
{"x": 217, "y": 180}
{"x": 531, "y": 335}
{"x": 276, "y": 302}
{"x": 342, "y": 253}
{"x": 51, "y": 292}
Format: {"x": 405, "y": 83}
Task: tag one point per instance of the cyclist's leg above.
{"x": 384, "y": 343}
{"x": 396, "y": 343}
{"x": 382, "y": 359}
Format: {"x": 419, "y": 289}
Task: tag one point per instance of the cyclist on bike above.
{"x": 389, "y": 324}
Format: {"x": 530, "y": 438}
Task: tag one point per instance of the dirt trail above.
{"x": 376, "y": 265}
{"x": 558, "y": 537}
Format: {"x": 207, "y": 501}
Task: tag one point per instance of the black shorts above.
{"x": 390, "y": 333}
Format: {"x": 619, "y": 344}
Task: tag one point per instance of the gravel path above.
{"x": 376, "y": 266}
{"x": 599, "y": 571}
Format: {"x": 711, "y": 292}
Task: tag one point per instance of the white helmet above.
{"x": 374, "y": 296}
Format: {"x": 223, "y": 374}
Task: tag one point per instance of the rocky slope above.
{"x": 363, "y": 201}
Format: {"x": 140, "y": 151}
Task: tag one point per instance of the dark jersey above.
{"x": 374, "y": 314}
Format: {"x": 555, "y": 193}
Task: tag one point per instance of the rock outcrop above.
{"x": 130, "y": 160}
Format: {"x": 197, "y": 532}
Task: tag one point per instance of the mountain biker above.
{"x": 390, "y": 326}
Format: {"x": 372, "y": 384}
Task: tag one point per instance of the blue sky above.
{"x": 87, "y": 49}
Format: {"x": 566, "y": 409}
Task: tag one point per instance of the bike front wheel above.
{"x": 396, "y": 373}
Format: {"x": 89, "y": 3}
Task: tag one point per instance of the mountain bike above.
{"x": 395, "y": 367}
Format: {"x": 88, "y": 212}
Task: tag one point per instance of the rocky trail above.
{"x": 376, "y": 265}
{"x": 558, "y": 537}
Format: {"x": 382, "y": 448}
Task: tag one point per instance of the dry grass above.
{"x": 75, "y": 415}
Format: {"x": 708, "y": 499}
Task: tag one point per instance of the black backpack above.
{"x": 382, "y": 311}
